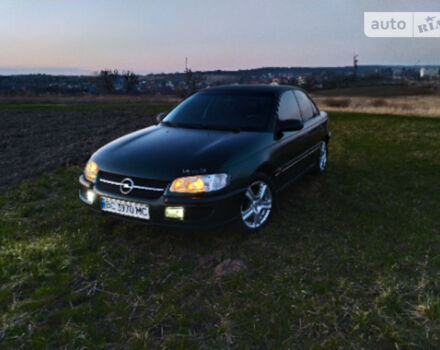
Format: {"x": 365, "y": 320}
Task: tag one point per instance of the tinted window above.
{"x": 306, "y": 106}
{"x": 244, "y": 111}
{"x": 288, "y": 107}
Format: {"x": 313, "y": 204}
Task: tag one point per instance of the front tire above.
{"x": 258, "y": 203}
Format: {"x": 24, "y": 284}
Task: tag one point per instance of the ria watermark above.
{"x": 402, "y": 24}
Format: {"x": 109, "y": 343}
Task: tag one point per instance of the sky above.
{"x": 84, "y": 36}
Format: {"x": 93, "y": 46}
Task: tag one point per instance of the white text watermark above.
{"x": 402, "y": 24}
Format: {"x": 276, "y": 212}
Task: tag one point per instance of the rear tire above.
{"x": 258, "y": 203}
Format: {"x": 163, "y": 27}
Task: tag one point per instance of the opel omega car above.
{"x": 220, "y": 155}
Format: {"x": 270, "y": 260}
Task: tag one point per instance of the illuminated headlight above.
{"x": 91, "y": 171}
{"x": 200, "y": 183}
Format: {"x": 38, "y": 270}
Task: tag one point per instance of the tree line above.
{"x": 107, "y": 79}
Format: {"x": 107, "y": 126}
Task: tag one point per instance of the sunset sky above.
{"x": 155, "y": 35}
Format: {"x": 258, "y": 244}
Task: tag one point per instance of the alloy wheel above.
{"x": 257, "y": 204}
{"x": 322, "y": 157}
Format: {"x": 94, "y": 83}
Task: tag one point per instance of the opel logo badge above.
{"x": 126, "y": 186}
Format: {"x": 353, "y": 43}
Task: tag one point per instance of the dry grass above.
{"x": 379, "y": 91}
{"x": 337, "y": 102}
{"x": 422, "y": 105}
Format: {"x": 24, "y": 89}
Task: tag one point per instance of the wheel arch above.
{"x": 267, "y": 169}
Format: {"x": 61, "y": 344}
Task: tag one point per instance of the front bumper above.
{"x": 203, "y": 212}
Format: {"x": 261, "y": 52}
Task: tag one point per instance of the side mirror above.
{"x": 290, "y": 125}
{"x": 160, "y": 117}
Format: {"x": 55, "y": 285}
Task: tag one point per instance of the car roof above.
{"x": 249, "y": 88}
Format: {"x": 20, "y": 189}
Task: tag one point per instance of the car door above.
{"x": 314, "y": 127}
{"x": 290, "y": 144}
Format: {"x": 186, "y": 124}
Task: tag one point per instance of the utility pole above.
{"x": 355, "y": 66}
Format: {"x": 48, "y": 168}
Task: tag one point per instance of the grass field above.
{"x": 350, "y": 261}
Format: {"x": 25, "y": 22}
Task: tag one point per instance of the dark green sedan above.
{"x": 219, "y": 156}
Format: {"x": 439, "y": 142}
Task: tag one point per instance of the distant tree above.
{"x": 386, "y": 73}
{"x": 192, "y": 81}
{"x": 131, "y": 81}
{"x": 106, "y": 80}
{"x": 189, "y": 80}
{"x": 289, "y": 81}
{"x": 355, "y": 66}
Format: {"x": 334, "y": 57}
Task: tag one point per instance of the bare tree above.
{"x": 130, "y": 81}
{"x": 192, "y": 81}
{"x": 106, "y": 80}
{"x": 355, "y": 66}
{"x": 189, "y": 80}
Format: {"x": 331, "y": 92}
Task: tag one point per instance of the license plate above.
{"x": 117, "y": 206}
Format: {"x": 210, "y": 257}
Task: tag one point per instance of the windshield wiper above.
{"x": 171, "y": 124}
{"x": 214, "y": 127}
{"x": 201, "y": 126}
{"x": 227, "y": 128}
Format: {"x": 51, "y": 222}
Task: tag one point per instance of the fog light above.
{"x": 90, "y": 195}
{"x": 174, "y": 212}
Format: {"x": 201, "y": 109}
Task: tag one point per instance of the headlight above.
{"x": 200, "y": 183}
{"x": 91, "y": 171}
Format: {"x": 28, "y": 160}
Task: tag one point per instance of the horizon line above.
{"x": 66, "y": 71}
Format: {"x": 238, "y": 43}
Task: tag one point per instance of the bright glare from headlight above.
{"x": 91, "y": 171}
{"x": 174, "y": 212}
{"x": 200, "y": 183}
{"x": 90, "y": 196}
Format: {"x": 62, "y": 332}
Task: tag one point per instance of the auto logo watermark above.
{"x": 402, "y": 24}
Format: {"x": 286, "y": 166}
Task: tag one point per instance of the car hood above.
{"x": 162, "y": 152}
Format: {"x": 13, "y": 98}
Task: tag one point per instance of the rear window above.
{"x": 307, "y": 109}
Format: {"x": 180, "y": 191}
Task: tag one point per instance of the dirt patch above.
{"x": 32, "y": 142}
{"x": 229, "y": 267}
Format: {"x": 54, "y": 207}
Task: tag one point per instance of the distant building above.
{"x": 429, "y": 73}
{"x": 398, "y": 74}
{"x": 303, "y": 79}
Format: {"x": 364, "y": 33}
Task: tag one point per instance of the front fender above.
{"x": 242, "y": 171}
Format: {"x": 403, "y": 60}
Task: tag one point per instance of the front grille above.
{"x": 143, "y": 188}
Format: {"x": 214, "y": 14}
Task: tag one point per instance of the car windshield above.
{"x": 224, "y": 111}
